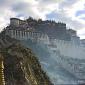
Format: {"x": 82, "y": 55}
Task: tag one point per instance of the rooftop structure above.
{"x": 72, "y": 32}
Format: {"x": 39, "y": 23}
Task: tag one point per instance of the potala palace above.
{"x": 60, "y": 50}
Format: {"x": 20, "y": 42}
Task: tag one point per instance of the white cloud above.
{"x": 67, "y": 14}
{"x": 71, "y": 11}
{"x": 5, "y": 15}
{"x": 81, "y": 16}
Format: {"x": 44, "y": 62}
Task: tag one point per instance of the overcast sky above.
{"x": 72, "y": 12}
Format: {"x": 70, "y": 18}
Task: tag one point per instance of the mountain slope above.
{"x": 21, "y": 65}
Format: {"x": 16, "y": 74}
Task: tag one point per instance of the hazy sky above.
{"x": 72, "y": 12}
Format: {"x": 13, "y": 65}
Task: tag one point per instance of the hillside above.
{"x": 21, "y": 65}
{"x": 54, "y": 51}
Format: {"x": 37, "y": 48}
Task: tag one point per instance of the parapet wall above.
{"x": 66, "y": 48}
{"x": 25, "y": 35}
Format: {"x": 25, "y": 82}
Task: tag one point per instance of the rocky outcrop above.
{"x": 21, "y": 65}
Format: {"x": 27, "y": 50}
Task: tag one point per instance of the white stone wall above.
{"x": 24, "y": 35}
{"x": 69, "y": 49}
{"x": 66, "y": 48}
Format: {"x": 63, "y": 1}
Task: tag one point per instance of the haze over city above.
{"x": 71, "y": 12}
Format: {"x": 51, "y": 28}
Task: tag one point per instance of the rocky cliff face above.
{"x": 21, "y": 65}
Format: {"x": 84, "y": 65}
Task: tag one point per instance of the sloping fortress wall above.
{"x": 66, "y": 48}
{"x": 69, "y": 49}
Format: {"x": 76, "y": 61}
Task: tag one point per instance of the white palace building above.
{"x": 67, "y": 48}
